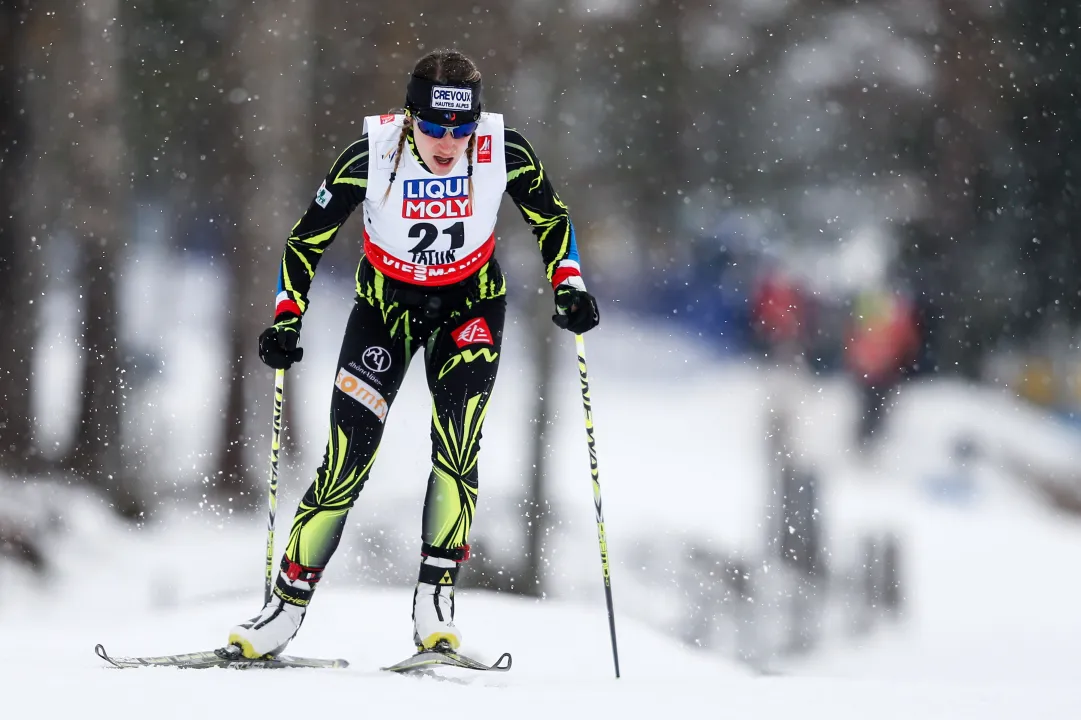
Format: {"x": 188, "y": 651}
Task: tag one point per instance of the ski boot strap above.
{"x": 433, "y": 574}
{"x": 459, "y": 554}
{"x": 296, "y": 583}
{"x": 295, "y": 571}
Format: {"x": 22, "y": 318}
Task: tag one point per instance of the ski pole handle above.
{"x": 580, "y": 343}
{"x": 275, "y": 447}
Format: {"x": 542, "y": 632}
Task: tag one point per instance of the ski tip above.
{"x": 428, "y": 659}
{"x": 99, "y": 650}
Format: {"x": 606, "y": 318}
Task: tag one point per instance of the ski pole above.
{"x": 581, "y": 345}
{"x": 275, "y": 446}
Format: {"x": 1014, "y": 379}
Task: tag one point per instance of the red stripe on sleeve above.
{"x": 562, "y": 274}
{"x": 287, "y": 305}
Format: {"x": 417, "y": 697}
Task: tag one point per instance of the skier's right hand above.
{"x": 278, "y": 343}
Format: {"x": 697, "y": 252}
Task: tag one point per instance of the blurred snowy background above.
{"x": 837, "y": 380}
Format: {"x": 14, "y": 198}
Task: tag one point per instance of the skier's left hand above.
{"x": 576, "y": 309}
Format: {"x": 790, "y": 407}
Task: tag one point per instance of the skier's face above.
{"x": 440, "y": 155}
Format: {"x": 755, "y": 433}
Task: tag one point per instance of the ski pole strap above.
{"x": 458, "y": 554}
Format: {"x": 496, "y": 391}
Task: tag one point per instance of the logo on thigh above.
{"x": 467, "y": 356}
{"x": 376, "y": 358}
{"x": 362, "y": 392}
{"x": 364, "y": 372}
{"x": 473, "y": 332}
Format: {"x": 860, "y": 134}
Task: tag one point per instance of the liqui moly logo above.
{"x": 436, "y": 199}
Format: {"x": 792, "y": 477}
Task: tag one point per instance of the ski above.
{"x": 446, "y": 656}
{"x": 228, "y": 657}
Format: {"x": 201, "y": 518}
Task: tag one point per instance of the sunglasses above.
{"x": 437, "y": 131}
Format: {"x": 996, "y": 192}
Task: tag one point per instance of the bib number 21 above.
{"x": 427, "y": 233}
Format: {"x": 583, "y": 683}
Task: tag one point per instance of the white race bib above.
{"x": 430, "y": 231}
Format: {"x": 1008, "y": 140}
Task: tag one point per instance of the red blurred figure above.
{"x": 779, "y": 315}
{"x": 884, "y": 341}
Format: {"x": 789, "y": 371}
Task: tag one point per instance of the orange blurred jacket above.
{"x": 884, "y": 339}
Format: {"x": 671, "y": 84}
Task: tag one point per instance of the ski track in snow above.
{"x": 562, "y": 667}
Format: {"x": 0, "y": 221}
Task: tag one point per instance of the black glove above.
{"x": 278, "y": 343}
{"x": 576, "y": 310}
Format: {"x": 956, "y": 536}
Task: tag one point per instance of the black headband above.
{"x": 442, "y": 103}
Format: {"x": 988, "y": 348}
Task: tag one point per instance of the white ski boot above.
{"x": 271, "y": 630}
{"x": 433, "y": 604}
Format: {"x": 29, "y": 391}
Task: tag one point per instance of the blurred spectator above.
{"x": 1037, "y": 381}
{"x": 883, "y": 343}
{"x": 779, "y": 313}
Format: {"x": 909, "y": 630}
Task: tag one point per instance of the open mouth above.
{"x": 442, "y": 161}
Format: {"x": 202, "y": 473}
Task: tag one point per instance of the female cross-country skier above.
{"x": 429, "y": 182}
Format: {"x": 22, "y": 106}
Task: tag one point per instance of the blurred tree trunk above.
{"x": 1049, "y": 142}
{"x": 99, "y": 220}
{"x": 23, "y": 545}
{"x": 554, "y": 144}
{"x": 17, "y": 314}
{"x": 658, "y": 71}
{"x": 538, "y": 522}
{"x": 234, "y": 478}
{"x": 971, "y": 114}
{"x": 19, "y": 540}
{"x": 270, "y": 75}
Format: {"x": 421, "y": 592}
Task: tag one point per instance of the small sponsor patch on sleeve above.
{"x": 323, "y": 196}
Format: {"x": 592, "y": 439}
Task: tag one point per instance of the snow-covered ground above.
{"x": 562, "y": 667}
{"x": 989, "y": 627}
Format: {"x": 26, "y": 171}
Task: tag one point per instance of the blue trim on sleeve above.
{"x": 572, "y": 254}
